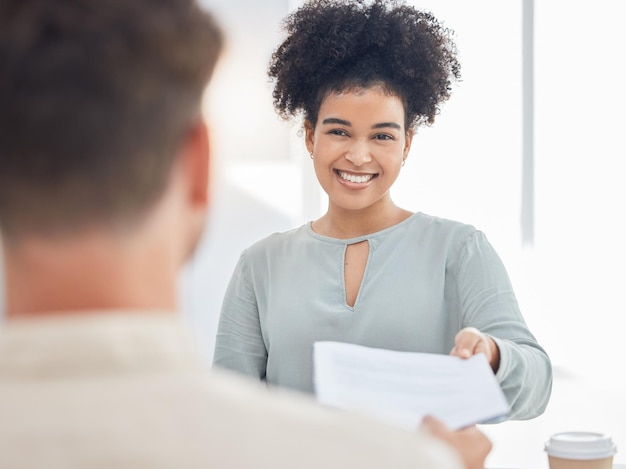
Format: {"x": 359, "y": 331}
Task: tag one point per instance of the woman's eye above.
{"x": 383, "y": 137}
{"x": 341, "y": 133}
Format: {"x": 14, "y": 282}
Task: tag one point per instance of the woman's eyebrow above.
{"x": 334, "y": 120}
{"x": 387, "y": 124}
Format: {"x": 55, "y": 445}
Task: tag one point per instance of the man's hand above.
{"x": 470, "y": 341}
{"x": 472, "y": 445}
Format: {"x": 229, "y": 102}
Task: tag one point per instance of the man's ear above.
{"x": 196, "y": 152}
{"x": 194, "y": 158}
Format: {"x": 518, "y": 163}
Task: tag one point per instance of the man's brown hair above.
{"x": 95, "y": 96}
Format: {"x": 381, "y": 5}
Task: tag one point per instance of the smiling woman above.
{"x": 363, "y": 76}
{"x": 358, "y": 147}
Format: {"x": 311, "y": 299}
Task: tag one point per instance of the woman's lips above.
{"x": 355, "y": 178}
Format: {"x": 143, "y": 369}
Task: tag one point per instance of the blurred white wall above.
{"x": 580, "y": 249}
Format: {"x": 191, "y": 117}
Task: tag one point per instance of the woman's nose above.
{"x": 358, "y": 154}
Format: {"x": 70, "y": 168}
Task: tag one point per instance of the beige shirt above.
{"x": 119, "y": 390}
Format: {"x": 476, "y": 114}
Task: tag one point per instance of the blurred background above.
{"x": 529, "y": 149}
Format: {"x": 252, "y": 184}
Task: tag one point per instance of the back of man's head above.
{"x": 95, "y": 96}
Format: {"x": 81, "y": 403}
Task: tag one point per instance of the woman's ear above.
{"x": 407, "y": 143}
{"x": 309, "y": 136}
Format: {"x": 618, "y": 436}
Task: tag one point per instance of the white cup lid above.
{"x": 580, "y": 445}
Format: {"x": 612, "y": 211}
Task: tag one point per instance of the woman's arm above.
{"x": 239, "y": 344}
{"x": 491, "y": 322}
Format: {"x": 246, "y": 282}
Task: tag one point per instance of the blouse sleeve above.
{"x": 487, "y": 302}
{"x": 239, "y": 344}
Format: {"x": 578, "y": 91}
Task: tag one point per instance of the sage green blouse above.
{"x": 425, "y": 279}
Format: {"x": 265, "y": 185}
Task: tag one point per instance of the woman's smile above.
{"x": 355, "y": 180}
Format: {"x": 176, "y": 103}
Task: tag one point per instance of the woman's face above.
{"x": 358, "y": 145}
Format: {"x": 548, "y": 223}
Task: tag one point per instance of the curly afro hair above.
{"x": 339, "y": 45}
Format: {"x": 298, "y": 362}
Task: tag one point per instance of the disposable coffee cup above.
{"x": 580, "y": 450}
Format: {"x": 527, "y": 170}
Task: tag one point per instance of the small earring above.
{"x": 403, "y": 161}
{"x": 311, "y": 155}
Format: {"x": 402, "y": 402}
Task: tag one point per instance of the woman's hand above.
{"x": 470, "y": 341}
{"x": 471, "y": 444}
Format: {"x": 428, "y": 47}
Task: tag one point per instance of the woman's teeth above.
{"x": 354, "y": 178}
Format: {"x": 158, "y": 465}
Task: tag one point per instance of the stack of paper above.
{"x": 400, "y": 388}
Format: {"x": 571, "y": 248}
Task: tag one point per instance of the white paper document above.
{"x": 400, "y": 388}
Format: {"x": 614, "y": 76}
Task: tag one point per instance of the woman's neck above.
{"x": 346, "y": 224}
